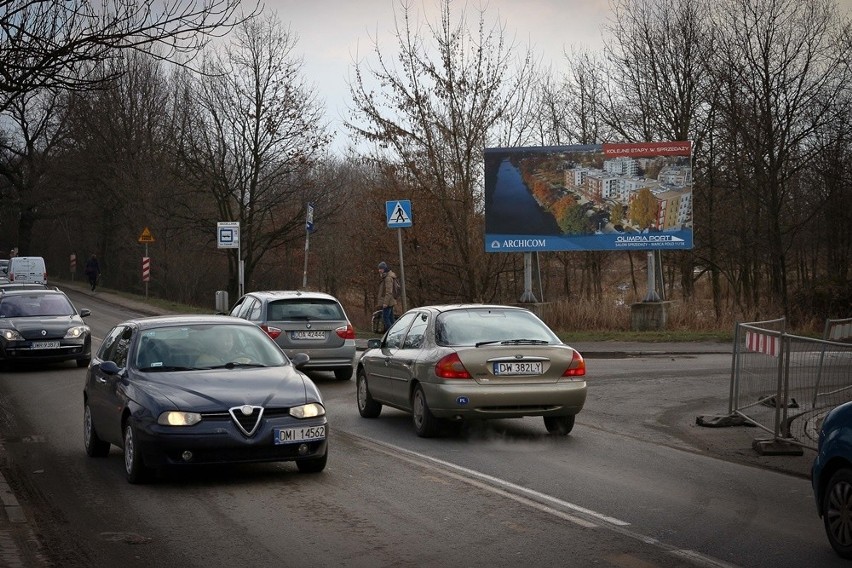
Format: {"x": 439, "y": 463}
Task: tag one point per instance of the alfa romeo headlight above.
{"x": 178, "y": 418}
{"x": 310, "y": 410}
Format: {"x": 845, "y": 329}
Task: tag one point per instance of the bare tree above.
{"x": 254, "y": 133}
{"x": 429, "y": 122}
{"x": 44, "y": 43}
{"x": 34, "y": 127}
{"x": 785, "y": 75}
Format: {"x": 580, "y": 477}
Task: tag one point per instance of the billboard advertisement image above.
{"x": 589, "y": 197}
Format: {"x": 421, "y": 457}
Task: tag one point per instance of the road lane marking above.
{"x": 534, "y": 499}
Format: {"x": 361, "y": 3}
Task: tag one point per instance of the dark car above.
{"x": 189, "y": 390}
{"x": 831, "y": 477}
{"x": 6, "y": 285}
{"x": 314, "y": 323}
{"x": 42, "y": 325}
{"x": 449, "y": 364}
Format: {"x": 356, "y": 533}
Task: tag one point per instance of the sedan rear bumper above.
{"x": 468, "y": 400}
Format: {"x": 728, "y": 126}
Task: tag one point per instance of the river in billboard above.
{"x": 514, "y": 209}
{"x": 590, "y": 197}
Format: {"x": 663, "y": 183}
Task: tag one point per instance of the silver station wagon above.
{"x": 313, "y": 323}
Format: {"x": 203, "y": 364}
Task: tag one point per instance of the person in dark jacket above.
{"x": 93, "y": 271}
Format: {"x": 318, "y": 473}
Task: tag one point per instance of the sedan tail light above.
{"x": 577, "y": 368}
{"x": 272, "y": 332}
{"x": 451, "y": 367}
{"x": 346, "y": 331}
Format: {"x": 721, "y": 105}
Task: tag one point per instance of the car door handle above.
{"x": 100, "y": 380}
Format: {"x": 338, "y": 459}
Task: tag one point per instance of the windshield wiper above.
{"x": 165, "y": 368}
{"x": 232, "y": 364}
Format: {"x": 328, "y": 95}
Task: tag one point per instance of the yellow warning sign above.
{"x": 146, "y": 236}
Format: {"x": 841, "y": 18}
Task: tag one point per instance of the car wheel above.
{"x": 95, "y": 447}
{"x": 343, "y": 374}
{"x": 134, "y": 467}
{"x": 312, "y": 465}
{"x": 367, "y": 407}
{"x": 561, "y": 425}
{"x": 425, "y": 423}
{"x": 83, "y": 362}
{"x": 837, "y": 512}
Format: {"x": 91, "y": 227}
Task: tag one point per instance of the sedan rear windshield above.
{"x": 304, "y": 309}
{"x": 490, "y": 325}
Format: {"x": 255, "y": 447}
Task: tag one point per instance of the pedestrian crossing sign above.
{"x": 398, "y": 213}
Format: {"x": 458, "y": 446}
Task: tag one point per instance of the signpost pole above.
{"x": 309, "y": 226}
{"x": 401, "y": 270}
{"x": 305, "y": 270}
{"x": 146, "y": 280}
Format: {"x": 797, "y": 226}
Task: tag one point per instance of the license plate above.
{"x": 299, "y": 434}
{"x": 519, "y": 368}
{"x": 45, "y": 345}
{"x": 308, "y": 335}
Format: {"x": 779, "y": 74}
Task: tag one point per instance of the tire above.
{"x": 425, "y": 423}
{"x": 95, "y": 447}
{"x": 134, "y": 467}
{"x": 559, "y": 425}
{"x": 312, "y": 465}
{"x": 367, "y": 407}
{"x": 81, "y": 363}
{"x": 343, "y": 374}
{"x": 837, "y": 512}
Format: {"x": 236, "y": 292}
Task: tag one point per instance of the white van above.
{"x": 27, "y": 269}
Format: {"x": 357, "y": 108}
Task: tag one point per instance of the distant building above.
{"x": 621, "y": 167}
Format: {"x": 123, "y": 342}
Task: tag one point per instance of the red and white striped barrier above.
{"x": 839, "y": 332}
{"x": 146, "y": 269}
{"x": 760, "y": 343}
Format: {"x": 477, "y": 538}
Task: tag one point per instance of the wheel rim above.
{"x": 129, "y": 449}
{"x": 839, "y": 513}
{"x": 418, "y": 409}
{"x": 362, "y": 392}
{"x": 87, "y": 426}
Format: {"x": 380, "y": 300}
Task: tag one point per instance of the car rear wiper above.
{"x": 524, "y": 342}
{"x": 514, "y": 342}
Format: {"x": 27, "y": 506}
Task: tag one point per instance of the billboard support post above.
{"x": 528, "y": 297}
{"x": 651, "y": 295}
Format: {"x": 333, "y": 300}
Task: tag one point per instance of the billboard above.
{"x": 589, "y": 197}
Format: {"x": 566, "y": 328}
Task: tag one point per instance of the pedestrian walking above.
{"x": 386, "y": 298}
{"x": 93, "y": 271}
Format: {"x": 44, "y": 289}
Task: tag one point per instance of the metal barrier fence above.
{"x": 785, "y": 384}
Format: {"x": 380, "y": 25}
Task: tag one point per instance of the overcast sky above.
{"x": 334, "y": 33}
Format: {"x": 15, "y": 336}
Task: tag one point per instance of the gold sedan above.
{"x": 452, "y": 363}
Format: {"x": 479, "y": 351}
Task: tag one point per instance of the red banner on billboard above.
{"x": 648, "y": 149}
